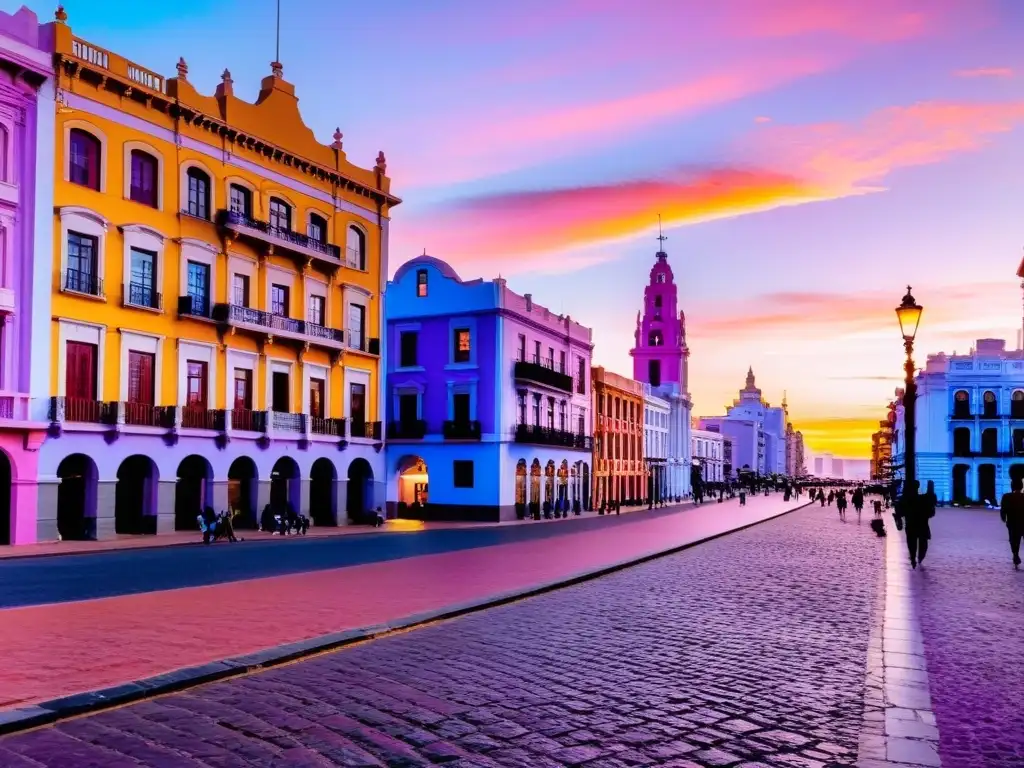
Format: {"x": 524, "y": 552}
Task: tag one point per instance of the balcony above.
{"x": 140, "y": 295}
{"x": 365, "y": 430}
{"x": 331, "y": 427}
{"x": 145, "y": 415}
{"x": 288, "y": 422}
{"x": 542, "y": 372}
{"x": 531, "y": 433}
{"x": 989, "y": 415}
{"x": 15, "y": 406}
{"x": 358, "y": 341}
{"x": 267, "y": 323}
{"x": 407, "y": 430}
{"x": 247, "y": 420}
{"x": 961, "y": 414}
{"x": 461, "y": 430}
{"x": 194, "y": 306}
{"x": 85, "y": 283}
{"x": 298, "y": 245}
{"x": 200, "y": 417}
{"x": 78, "y": 410}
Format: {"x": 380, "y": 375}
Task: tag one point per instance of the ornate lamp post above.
{"x": 909, "y": 315}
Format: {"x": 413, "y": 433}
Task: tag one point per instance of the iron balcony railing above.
{"x": 235, "y": 219}
{"x": 461, "y": 430}
{"x": 358, "y": 340}
{"x": 81, "y": 410}
{"x": 194, "y": 306}
{"x": 83, "y": 282}
{"x": 543, "y": 372}
{"x": 288, "y": 422}
{"x": 332, "y": 427}
{"x": 248, "y": 420}
{"x": 369, "y": 430}
{"x": 414, "y": 429}
{"x": 236, "y": 314}
{"x": 141, "y": 295}
{"x": 537, "y": 435}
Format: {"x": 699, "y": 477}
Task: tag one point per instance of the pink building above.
{"x": 26, "y": 199}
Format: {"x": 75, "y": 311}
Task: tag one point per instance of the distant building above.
{"x": 970, "y": 423}
{"x": 657, "y": 415}
{"x": 742, "y": 435}
{"x": 708, "y": 454}
{"x": 727, "y": 465}
{"x": 660, "y": 356}
{"x": 819, "y": 466}
{"x": 838, "y": 469}
{"x": 758, "y": 430}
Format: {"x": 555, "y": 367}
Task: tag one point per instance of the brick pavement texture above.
{"x": 54, "y": 650}
{"x": 971, "y": 609}
{"x": 746, "y": 651}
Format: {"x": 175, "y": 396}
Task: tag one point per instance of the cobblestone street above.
{"x": 971, "y": 604}
{"x": 748, "y": 650}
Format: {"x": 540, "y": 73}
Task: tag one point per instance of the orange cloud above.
{"x": 985, "y": 72}
{"x": 845, "y": 437}
{"x": 823, "y": 162}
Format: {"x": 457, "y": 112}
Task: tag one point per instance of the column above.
{"x": 304, "y": 496}
{"x": 46, "y": 509}
{"x": 262, "y": 496}
{"x": 341, "y": 494}
{"x": 166, "y": 491}
{"x": 106, "y": 496}
{"x": 219, "y": 494}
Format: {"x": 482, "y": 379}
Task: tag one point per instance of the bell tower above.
{"x": 659, "y": 351}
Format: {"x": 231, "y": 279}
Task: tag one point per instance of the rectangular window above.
{"x": 356, "y": 313}
{"x": 421, "y": 283}
{"x": 199, "y": 287}
{"x": 241, "y": 201}
{"x": 462, "y": 471}
{"x": 243, "y": 389}
{"x": 81, "y": 275}
{"x": 316, "y": 230}
{"x": 407, "y": 343}
{"x": 521, "y": 401}
{"x": 563, "y": 416}
{"x": 240, "y": 290}
{"x": 140, "y": 286}
{"x": 142, "y": 188}
{"x": 551, "y": 358}
{"x": 460, "y": 406}
{"x": 536, "y": 352}
{"x": 581, "y": 428}
{"x": 357, "y": 403}
{"x": 581, "y": 376}
{"x": 198, "y": 194}
{"x": 536, "y": 410}
{"x": 195, "y": 384}
{"x": 280, "y": 215}
{"x": 80, "y": 371}
{"x": 408, "y": 407}
{"x": 551, "y": 413}
{"x": 140, "y": 377}
{"x": 317, "y": 313}
{"x": 561, "y": 362}
{"x": 279, "y": 392}
{"x": 317, "y": 388}
{"x": 279, "y": 300}
{"x": 461, "y": 348}
{"x": 522, "y": 347}
{"x": 84, "y": 163}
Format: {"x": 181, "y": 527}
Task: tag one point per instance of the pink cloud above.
{"x": 517, "y": 231}
{"x": 985, "y": 72}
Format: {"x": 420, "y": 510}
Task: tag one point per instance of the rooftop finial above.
{"x": 60, "y": 14}
{"x": 225, "y": 76}
{"x": 338, "y": 136}
{"x": 382, "y": 163}
{"x": 662, "y": 237}
{"x": 276, "y": 69}
{"x": 424, "y": 251}
{"x": 182, "y": 68}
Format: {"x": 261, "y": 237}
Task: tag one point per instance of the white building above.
{"x": 708, "y": 451}
{"x": 970, "y": 423}
{"x": 657, "y": 419}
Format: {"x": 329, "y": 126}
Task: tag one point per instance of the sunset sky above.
{"x": 810, "y": 158}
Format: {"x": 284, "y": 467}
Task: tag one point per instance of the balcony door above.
{"x": 357, "y": 403}
{"x": 195, "y": 385}
{"x": 140, "y": 377}
{"x": 317, "y": 387}
{"x": 80, "y": 371}
{"x": 243, "y": 389}
{"x": 199, "y": 287}
{"x": 356, "y": 315}
{"x": 460, "y": 407}
{"x": 279, "y": 392}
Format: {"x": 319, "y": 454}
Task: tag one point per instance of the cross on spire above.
{"x": 662, "y": 237}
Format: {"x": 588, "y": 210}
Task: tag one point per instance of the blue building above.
{"x": 758, "y": 431}
{"x": 970, "y": 423}
{"x": 488, "y": 397}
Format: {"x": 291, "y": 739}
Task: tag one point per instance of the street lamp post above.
{"x": 909, "y": 315}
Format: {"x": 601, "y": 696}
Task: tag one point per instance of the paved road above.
{"x": 971, "y": 607}
{"x": 36, "y": 581}
{"x": 748, "y": 650}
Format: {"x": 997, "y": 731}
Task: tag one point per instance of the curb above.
{"x": 65, "y": 707}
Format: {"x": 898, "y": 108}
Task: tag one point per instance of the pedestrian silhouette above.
{"x": 1011, "y": 510}
{"x": 916, "y": 509}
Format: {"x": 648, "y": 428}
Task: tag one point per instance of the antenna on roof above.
{"x": 277, "y": 36}
{"x": 424, "y": 251}
{"x": 662, "y": 237}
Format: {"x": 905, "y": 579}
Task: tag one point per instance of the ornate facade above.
{"x": 620, "y": 472}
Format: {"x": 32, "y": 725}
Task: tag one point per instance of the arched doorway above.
{"x": 6, "y": 521}
{"x": 574, "y": 484}
{"x": 135, "y": 496}
{"x": 549, "y": 487}
{"x": 323, "y": 501}
{"x": 242, "y": 479}
{"x": 284, "y": 485}
{"x": 585, "y": 483}
{"x": 535, "y": 488}
{"x": 413, "y": 482}
{"x": 359, "y": 495}
{"x": 76, "y": 498}
{"x": 521, "y": 488}
{"x": 987, "y": 483}
{"x": 959, "y": 483}
{"x": 193, "y": 492}
{"x": 563, "y": 485}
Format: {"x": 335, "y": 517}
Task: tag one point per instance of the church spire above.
{"x": 750, "y": 377}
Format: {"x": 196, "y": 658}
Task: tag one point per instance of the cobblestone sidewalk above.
{"x": 746, "y": 651}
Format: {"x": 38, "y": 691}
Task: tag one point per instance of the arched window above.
{"x": 144, "y": 179}
{"x": 280, "y": 215}
{"x": 1017, "y": 404}
{"x": 316, "y": 230}
{"x": 657, "y": 301}
{"x": 85, "y": 158}
{"x": 655, "y": 339}
{"x": 198, "y": 193}
{"x": 4, "y": 143}
{"x": 521, "y": 483}
{"x": 989, "y": 442}
{"x": 355, "y": 248}
{"x": 990, "y": 404}
{"x": 961, "y": 441}
{"x": 661, "y": 278}
{"x": 961, "y": 404}
{"x": 240, "y": 200}
{"x": 654, "y": 373}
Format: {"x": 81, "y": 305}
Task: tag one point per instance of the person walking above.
{"x": 1011, "y": 510}
{"x": 858, "y": 501}
{"x": 821, "y": 497}
{"x": 916, "y": 509}
{"x": 841, "y": 505}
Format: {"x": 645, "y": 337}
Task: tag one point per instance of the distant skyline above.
{"x": 809, "y": 159}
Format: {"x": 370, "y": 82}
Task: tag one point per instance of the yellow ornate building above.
{"x": 620, "y": 471}
{"x": 217, "y": 305}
